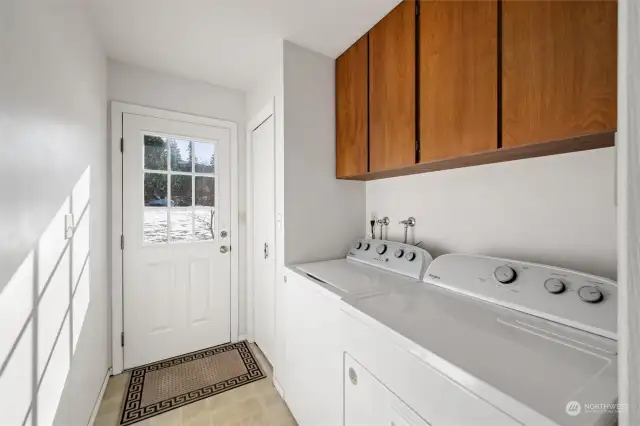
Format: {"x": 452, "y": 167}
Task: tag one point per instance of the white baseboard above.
{"x": 96, "y": 406}
{"x": 242, "y": 337}
{"x": 276, "y": 384}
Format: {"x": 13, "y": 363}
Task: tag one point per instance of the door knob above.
{"x": 353, "y": 376}
{"x": 224, "y": 249}
{"x": 223, "y": 234}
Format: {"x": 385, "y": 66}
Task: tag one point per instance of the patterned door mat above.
{"x": 165, "y": 385}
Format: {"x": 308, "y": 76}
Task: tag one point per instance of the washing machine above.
{"x": 309, "y": 302}
{"x": 483, "y": 341}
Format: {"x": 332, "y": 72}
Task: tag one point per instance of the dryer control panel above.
{"x": 400, "y": 258}
{"x": 573, "y": 298}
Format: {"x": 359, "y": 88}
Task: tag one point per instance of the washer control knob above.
{"x": 398, "y": 253}
{"x": 358, "y": 245}
{"x": 504, "y": 274}
{"x": 590, "y": 294}
{"x": 411, "y": 256}
{"x": 366, "y": 246}
{"x": 381, "y": 249}
{"x": 554, "y": 286}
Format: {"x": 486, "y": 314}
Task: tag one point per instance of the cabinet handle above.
{"x": 353, "y": 376}
{"x": 266, "y": 250}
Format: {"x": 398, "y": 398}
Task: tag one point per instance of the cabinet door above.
{"x": 312, "y": 381}
{"x": 559, "y": 69}
{"x": 352, "y": 110}
{"x": 392, "y": 89}
{"x": 367, "y": 402}
{"x": 458, "y": 78}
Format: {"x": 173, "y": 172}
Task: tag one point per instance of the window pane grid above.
{"x": 194, "y": 222}
{"x": 163, "y": 172}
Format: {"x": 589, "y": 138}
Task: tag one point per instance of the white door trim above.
{"x": 117, "y": 109}
{"x": 628, "y": 194}
{"x": 266, "y": 112}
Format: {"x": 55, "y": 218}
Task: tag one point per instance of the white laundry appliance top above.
{"x": 370, "y": 267}
{"x": 542, "y": 336}
{"x": 349, "y": 277}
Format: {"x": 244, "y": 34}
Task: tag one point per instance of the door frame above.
{"x": 267, "y": 111}
{"x": 628, "y": 227}
{"x": 117, "y": 307}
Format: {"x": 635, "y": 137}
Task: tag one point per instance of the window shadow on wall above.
{"x": 42, "y": 311}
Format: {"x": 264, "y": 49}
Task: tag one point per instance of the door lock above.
{"x": 224, "y": 249}
{"x": 223, "y": 234}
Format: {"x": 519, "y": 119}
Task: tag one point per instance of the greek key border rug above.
{"x": 165, "y": 385}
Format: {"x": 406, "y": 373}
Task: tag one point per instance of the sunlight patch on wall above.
{"x": 80, "y": 246}
{"x": 42, "y": 311}
{"x": 52, "y": 382}
{"x": 52, "y": 309}
{"x": 16, "y": 345}
{"x": 51, "y": 246}
{"x": 80, "y": 303}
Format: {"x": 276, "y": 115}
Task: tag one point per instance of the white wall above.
{"x": 323, "y": 215}
{"x": 557, "y": 210}
{"x": 53, "y": 308}
{"x": 141, "y": 86}
{"x": 268, "y": 88}
{"x": 266, "y": 91}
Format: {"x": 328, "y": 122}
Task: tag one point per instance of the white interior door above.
{"x": 264, "y": 237}
{"x": 176, "y": 220}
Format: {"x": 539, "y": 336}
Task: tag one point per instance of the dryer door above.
{"x": 368, "y": 402}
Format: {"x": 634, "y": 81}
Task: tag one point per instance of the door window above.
{"x": 179, "y": 190}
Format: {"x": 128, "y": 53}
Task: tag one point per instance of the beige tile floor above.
{"x": 255, "y": 404}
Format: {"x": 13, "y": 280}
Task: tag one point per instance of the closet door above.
{"x": 264, "y": 237}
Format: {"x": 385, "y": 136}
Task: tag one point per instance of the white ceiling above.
{"x": 228, "y": 42}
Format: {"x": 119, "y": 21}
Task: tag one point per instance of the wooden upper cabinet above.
{"x": 392, "y": 89}
{"x": 352, "y": 110}
{"x": 559, "y": 69}
{"x": 458, "y": 78}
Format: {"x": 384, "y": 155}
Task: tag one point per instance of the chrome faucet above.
{"x": 383, "y": 222}
{"x": 411, "y": 222}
